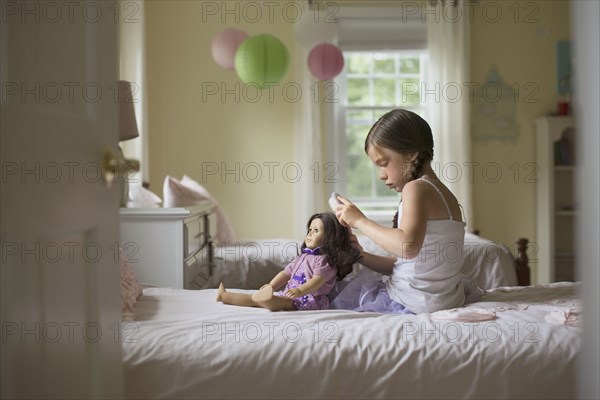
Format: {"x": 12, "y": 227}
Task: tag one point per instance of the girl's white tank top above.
{"x": 432, "y": 280}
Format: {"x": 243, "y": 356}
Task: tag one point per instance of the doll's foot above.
{"x": 220, "y": 292}
{"x": 265, "y": 293}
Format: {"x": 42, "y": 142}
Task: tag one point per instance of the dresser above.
{"x": 169, "y": 247}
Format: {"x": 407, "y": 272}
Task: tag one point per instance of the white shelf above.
{"x": 555, "y": 226}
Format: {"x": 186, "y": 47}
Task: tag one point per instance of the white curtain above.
{"x": 312, "y": 118}
{"x": 448, "y": 42}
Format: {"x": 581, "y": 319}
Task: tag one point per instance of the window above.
{"x": 372, "y": 83}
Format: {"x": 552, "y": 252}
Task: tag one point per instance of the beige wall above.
{"x": 187, "y": 133}
{"x": 524, "y": 53}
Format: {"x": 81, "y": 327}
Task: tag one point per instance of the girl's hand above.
{"x": 348, "y": 214}
{"x": 293, "y": 293}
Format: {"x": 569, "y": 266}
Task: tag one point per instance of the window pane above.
{"x": 409, "y": 65}
{"x": 411, "y": 91}
{"x": 358, "y": 92}
{"x": 359, "y": 176}
{"x": 355, "y": 139}
{"x": 358, "y": 63}
{"x": 384, "y": 91}
{"x": 380, "y": 81}
{"x": 384, "y": 63}
{"x": 359, "y": 116}
{"x": 379, "y": 113}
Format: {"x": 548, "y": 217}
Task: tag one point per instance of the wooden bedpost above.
{"x": 522, "y": 263}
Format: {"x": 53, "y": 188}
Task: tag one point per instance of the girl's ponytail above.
{"x": 415, "y": 170}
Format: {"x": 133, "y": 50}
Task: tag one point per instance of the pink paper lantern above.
{"x": 325, "y": 61}
{"x": 224, "y": 46}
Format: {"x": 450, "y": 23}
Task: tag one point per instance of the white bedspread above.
{"x": 186, "y": 345}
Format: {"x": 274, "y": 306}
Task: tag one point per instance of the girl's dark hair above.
{"x": 336, "y": 246}
{"x": 406, "y": 133}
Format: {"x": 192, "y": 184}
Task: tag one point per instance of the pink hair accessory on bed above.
{"x": 470, "y": 314}
{"x": 569, "y": 316}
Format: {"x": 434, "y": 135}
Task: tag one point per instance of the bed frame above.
{"x": 522, "y": 263}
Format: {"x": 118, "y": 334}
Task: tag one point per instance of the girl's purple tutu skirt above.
{"x": 367, "y": 293}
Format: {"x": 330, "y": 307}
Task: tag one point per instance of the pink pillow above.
{"x": 188, "y": 192}
{"x": 130, "y": 288}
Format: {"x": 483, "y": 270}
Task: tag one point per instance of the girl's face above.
{"x": 315, "y": 235}
{"x": 392, "y": 166}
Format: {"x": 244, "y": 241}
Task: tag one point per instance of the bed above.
{"x": 518, "y": 342}
{"x": 250, "y": 264}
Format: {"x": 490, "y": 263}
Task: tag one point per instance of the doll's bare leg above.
{"x": 264, "y": 293}
{"x": 265, "y": 298}
{"x": 236, "y": 299}
{"x": 277, "y": 303}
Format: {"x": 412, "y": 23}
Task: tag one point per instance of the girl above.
{"x": 327, "y": 253}
{"x": 428, "y": 234}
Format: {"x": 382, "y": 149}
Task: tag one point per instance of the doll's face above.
{"x": 316, "y": 234}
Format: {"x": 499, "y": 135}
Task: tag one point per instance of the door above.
{"x": 60, "y": 280}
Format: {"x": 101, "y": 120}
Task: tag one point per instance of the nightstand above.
{"x": 168, "y": 246}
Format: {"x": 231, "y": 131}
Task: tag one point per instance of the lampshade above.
{"x": 325, "y": 61}
{"x": 261, "y": 60}
{"x": 128, "y": 128}
{"x": 224, "y": 46}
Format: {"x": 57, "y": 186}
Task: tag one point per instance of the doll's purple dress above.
{"x": 303, "y": 268}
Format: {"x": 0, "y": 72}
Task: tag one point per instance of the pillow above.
{"x": 139, "y": 196}
{"x": 130, "y": 288}
{"x": 488, "y": 264}
{"x": 248, "y": 265}
{"x": 188, "y": 192}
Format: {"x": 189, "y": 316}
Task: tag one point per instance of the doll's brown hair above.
{"x": 336, "y": 246}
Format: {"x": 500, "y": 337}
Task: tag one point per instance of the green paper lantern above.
{"x": 261, "y": 60}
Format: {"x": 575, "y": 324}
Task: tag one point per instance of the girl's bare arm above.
{"x": 404, "y": 241}
{"x": 383, "y": 265}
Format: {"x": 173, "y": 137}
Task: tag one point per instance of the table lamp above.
{"x": 128, "y": 129}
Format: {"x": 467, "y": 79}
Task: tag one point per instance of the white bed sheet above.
{"x": 186, "y": 345}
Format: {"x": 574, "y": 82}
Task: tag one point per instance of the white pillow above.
{"x": 248, "y": 265}
{"x": 488, "y": 264}
{"x": 139, "y": 196}
{"x": 188, "y": 192}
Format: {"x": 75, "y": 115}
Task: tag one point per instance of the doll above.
{"x": 327, "y": 254}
